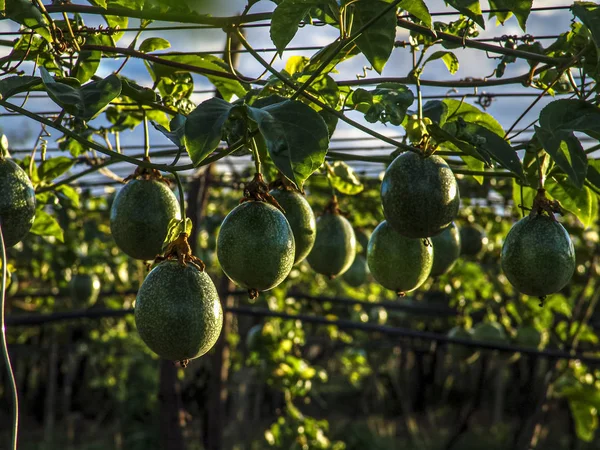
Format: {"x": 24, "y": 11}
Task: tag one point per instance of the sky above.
{"x": 473, "y": 63}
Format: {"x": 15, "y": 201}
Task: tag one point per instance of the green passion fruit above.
{"x": 17, "y": 202}
{"x": 530, "y": 336}
{"x": 358, "y": 272}
{"x": 85, "y": 289}
{"x": 255, "y": 246}
{"x": 419, "y": 195}
{"x": 301, "y": 218}
{"x": 140, "y": 217}
{"x": 177, "y": 311}
{"x": 446, "y": 250}
{"x": 472, "y": 239}
{"x": 335, "y": 247}
{"x": 460, "y": 352}
{"x": 538, "y": 256}
{"x": 397, "y": 262}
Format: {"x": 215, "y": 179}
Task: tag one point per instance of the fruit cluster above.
{"x": 178, "y": 312}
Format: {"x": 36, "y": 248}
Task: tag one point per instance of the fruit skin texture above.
{"x": 301, "y": 218}
{"x": 335, "y": 247}
{"x": 446, "y": 250}
{"x": 255, "y": 246}
{"x": 358, "y": 272}
{"x": 140, "y": 216}
{"x": 529, "y": 336}
{"x": 419, "y": 195}
{"x": 177, "y": 311}
{"x": 85, "y": 289}
{"x": 397, "y": 262}
{"x": 472, "y": 239}
{"x": 538, "y": 257}
{"x": 17, "y": 202}
{"x": 460, "y": 352}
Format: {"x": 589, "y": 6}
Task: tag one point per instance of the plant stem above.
{"x": 4, "y": 347}
{"x": 181, "y": 197}
{"x": 256, "y": 156}
{"x": 146, "y": 138}
{"x": 329, "y": 172}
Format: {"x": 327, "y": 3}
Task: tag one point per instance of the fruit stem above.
{"x": 4, "y": 349}
{"x": 146, "y": 138}
{"x": 540, "y": 172}
{"x": 181, "y": 196}
{"x": 257, "y": 164}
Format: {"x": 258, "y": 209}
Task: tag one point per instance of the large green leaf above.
{"x": 25, "y": 13}
{"x": 448, "y": 58}
{"x": 85, "y": 102}
{"x": 388, "y": 102}
{"x": 559, "y": 121}
{"x": 296, "y": 136}
{"x": 583, "y": 203}
{"x": 176, "y": 131}
{"x": 10, "y": 86}
{"x": 585, "y": 417}
{"x": 470, "y": 8}
{"x": 593, "y": 173}
{"x": 154, "y": 43}
{"x": 46, "y": 225}
{"x": 344, "y": 179}
{"x": 589, "y": 14}
{"x": 520, "y": 8}
{"x": 286, "y": 18}
{"x": 377, "y": 41}
{"x": 417, "y": 8}
{"x": 204, "y": 127}
{"x": 88, "y": 60}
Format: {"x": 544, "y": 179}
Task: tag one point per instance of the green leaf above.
{"x": 204, "y": 127}
{"x": 88, "y": 60}
{"x": 469, "y": 8}
{"x": 54, "y": 167}
{"x": 449, "y": 59}
{"x": 417, "y": 8}
{"x": 567, "y": 152}
{"x": 46, "y": 225}
{"x": 582, "y": 202}
{"x": 585, "y": 417}
{"x": 520, "y": 8}
{"x": 175, "y": 228}
{"x": 25, "y": 13}
{"x": 450, "y": 110}
{"x": 285, "y": 20}
{"x": 593, "y": 172}
{"x": 176, "y": 130}
{"x": 589, "y": 14}
{"x": 388, "y": 102}
{"x": 344, "y": 179}
{"x": 296, "y": 136}
{"x": 85, "y": 102}
{"x": 498, "y": 148}
{"x": 136, "y": 92}
{"x": 10, "y": 86}
{"x": 69, "y": 193}
{"x": 447, "y": 136}
{"x": 377, "y": 41}
{"x": 527, "y": 198}
{"x": 153, "y": 44}
{"x": 325, "y": 53}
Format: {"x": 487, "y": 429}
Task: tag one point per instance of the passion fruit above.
{"x": 177, "y": 311}
{"x": 446, "y": 250}
{"x": 335, "y": 247}
{"x": 460, "y": 352}
{"x": 472, "y": 239}
{"x": 255, "y": 246}
{"x": 85, "y": 289}
{"x": 538, "y": 256}
{"x": 140, "y": 216}
{"x": 397, "y": 262}
{"x": 17, "y": 202}
{"x": 529, "y": 336}
{"x": 419, "y": 195}
{"x": 358, "y": 272}
{"x": 301, "y": 218}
